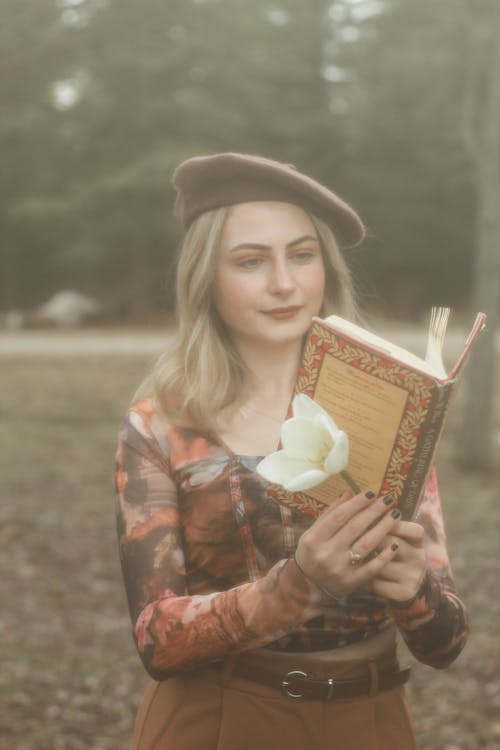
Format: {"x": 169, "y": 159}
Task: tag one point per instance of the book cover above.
{"x": 392, "y": 411}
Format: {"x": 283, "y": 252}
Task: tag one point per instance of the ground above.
{"x": 70, "y": 678}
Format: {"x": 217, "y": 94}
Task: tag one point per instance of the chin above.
{"x": 288, "y": 335}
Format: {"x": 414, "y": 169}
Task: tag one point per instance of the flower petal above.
{"x": 306, "y": 480}
{"x": 280, "y": 468}
{"x": 338, "y": 458}
{"x": 303, "y": 439}
{"x": 327, "y": 427}
{"x": 304, "y": 406}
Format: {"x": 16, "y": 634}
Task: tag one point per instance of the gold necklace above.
{"x": 260, "y": 413}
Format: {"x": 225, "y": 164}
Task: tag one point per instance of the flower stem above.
{"x": 350, "y": 481}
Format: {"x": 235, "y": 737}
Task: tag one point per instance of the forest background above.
{"x": 386, "y": 101}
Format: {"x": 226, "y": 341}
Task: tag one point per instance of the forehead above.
{"x": 265, "y": 222}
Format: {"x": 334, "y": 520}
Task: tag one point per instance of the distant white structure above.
{"x": 67, "y": 309}
{"x": 13, "y": 320}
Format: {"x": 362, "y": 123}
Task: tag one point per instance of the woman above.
{"x": 259, "y": 627}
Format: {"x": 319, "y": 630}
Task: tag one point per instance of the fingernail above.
{"x": 395, "y": 513}
{"x": 388, "y": 500}
{"x": 394, "y": 547}
{"x": 369, "y": 495}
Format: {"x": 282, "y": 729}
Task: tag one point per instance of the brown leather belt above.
{"x": 297, "y": 684}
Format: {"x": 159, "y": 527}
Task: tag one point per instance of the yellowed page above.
{"x": 369, "y": 410}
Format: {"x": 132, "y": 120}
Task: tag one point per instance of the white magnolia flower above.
{"x": 314, "y": 448}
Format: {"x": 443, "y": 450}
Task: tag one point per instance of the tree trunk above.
{"x": 476, "y": 439}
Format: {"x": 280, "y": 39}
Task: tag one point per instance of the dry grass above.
{"x": 70, "y": 678}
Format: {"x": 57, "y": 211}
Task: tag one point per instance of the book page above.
{"x": 369, "y": 410}
{"x": 382, "y": 345}
{"x": 478, "y": 327}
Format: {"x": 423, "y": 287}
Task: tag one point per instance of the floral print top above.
{"x": 207, "y": 560}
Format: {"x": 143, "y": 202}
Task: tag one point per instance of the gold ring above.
{"x": 355, "y": 557}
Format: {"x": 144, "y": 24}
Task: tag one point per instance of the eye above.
{"x": 303, "y": 256}
{"x": 250, "y": 263}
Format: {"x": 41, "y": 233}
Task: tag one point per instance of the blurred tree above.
{"x": 401, "y": 112}
{"x": 203, "y": 76}
{"x": 30, "y": 48}
{"x": 105, "y": 97}
{"x": 481, "y": 130}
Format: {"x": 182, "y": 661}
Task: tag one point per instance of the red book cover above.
{"x": 392, "y": 411}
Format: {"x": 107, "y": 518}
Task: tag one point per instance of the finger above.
{"x": 399, "y": 582}
{"x": 343, "y": 498}
{"x": 337, "y": 515}
{"x": 373, "y": 568}
{"x": 391, "y": 571}
{"x": 374, "y": 539}
{"x": 367, "y": 520}
{"x": 406, "y": 550}
{"x": 410, "y": 532}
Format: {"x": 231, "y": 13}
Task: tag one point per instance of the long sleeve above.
{"x": 175, "y": 631}
{"x": 434, "y": 623}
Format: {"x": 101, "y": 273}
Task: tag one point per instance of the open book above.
{"x": 391, "y": 403}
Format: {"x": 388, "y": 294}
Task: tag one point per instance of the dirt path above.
{"x": 81, "y": 342}
{"x": 150, "y": 341}
{"x": 70, "y": 678}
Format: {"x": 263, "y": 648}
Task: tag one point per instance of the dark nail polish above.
{"x": 388, "y": 500}
{"x": 394, "y": 547}
{"x": 396, "y": 513}
{"x": 369, "y": 495}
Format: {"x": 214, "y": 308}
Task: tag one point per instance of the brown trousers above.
{"x": 211, "y": 709}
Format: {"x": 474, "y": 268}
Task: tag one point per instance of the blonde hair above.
{"x": 201, "y": 372}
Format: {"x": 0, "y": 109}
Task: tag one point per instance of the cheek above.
{"x": 320, "y": 286}
{"x": 317, "y": 286}
{"x": 229, "y": 295}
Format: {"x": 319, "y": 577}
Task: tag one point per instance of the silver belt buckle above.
{"x": 285, "y": 684}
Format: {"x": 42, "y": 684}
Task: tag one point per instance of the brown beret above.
{"x": 204, "y": 183}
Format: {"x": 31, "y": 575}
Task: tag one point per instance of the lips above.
{"x": 283, "y": 312}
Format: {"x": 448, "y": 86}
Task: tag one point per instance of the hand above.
{"x": 401, "y": 578}
{"x": 359, "y": 524}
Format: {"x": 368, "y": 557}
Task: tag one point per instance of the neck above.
{"x": 272, "y": 371}
{"x": 251, "y": 424}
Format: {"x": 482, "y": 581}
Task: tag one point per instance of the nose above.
{"x": 282, "y": 280}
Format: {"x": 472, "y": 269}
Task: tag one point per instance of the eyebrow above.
{"x": 257, "y": 246}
